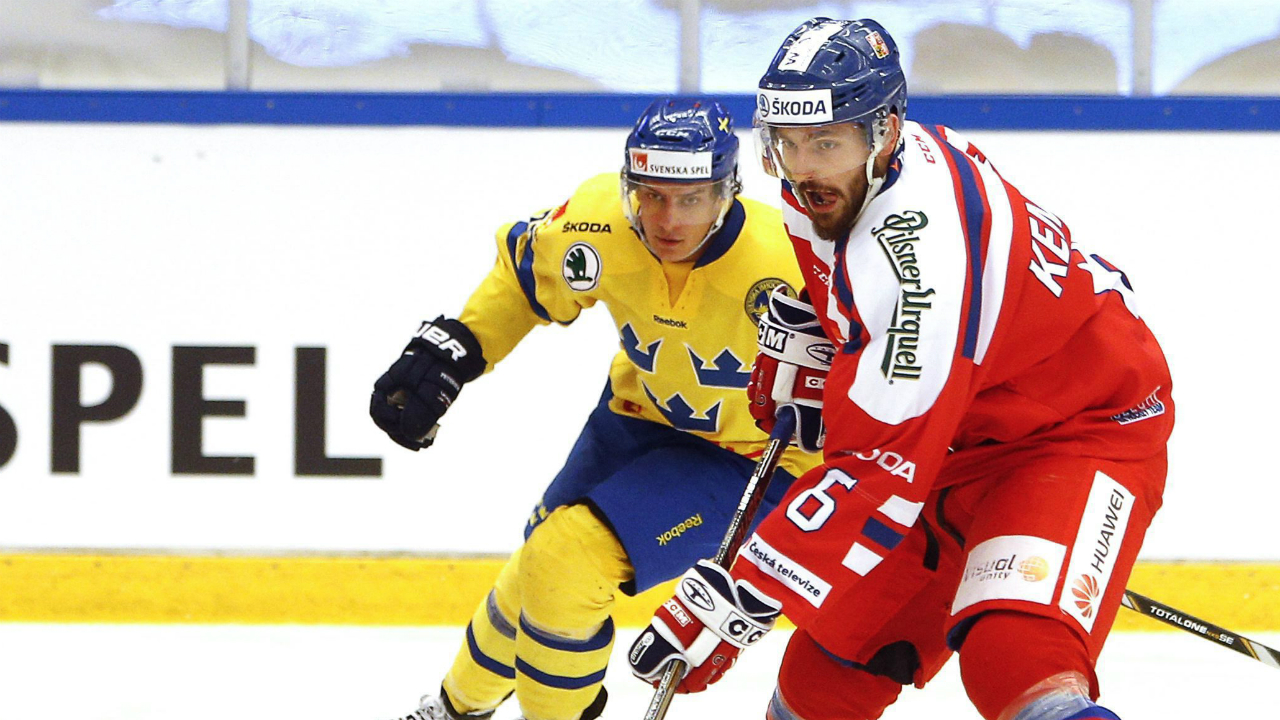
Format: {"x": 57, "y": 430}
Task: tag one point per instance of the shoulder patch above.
{"x": 581, "y": 267}
{"x": 757, "y": 300}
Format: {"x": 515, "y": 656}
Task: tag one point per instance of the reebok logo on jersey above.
{"x": 898, "y": 238}
{"x": 684, "y": 526}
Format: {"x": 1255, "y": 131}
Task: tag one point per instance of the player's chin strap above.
{"x": 735, "y": 187}
{"x": 873, "y": 182}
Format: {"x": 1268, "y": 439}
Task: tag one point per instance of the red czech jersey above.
{"x": 974, "y": 333}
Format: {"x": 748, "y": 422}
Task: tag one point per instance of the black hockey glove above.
{"x": 410, "y": 397}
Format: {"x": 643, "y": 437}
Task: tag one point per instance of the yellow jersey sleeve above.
{"x": 537, "y": 274}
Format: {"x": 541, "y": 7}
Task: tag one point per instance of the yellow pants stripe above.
{"x": 374, "y": 589}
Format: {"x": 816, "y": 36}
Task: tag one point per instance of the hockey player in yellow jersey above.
{"x": 685, "y": 267}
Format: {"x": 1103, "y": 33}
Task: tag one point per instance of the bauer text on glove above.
{"x": 411, "y": 396}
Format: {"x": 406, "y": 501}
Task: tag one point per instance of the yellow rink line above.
{"x": 418, "y": 590}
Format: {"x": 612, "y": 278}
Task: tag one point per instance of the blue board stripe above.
{"x": 964, "y": 112}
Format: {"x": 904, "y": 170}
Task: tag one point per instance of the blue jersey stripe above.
{"x": 840, "y": 277}
{"x": 496, "y": 619}
{"x": 881, "y": 533}
{"x": 559, "y": 681}
{"x": 524, "y": 268}
{"x": 724, "y": 238}
{"x": 596, "y": 642}
{"x": 486, "y": 662}
{"x": 975, "y": 215}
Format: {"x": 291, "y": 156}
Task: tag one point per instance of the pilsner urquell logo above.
{"x": 898, "y": 238}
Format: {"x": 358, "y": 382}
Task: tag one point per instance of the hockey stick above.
{"x": 1207, "y": 630}
{"x": 733, "y": 537}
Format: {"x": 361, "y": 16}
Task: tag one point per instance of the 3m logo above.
{"x": 1085, "y": 590}
{"x": 771, "y": 337}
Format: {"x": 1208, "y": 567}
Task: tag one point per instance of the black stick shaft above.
{"x": 1205, "y": 629}
{"x": 733, "y": 537}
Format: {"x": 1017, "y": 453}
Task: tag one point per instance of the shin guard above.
{"x": 483, "y": 673}
{"x": 1010, "y": 661}
{"x": 570, "y": 570}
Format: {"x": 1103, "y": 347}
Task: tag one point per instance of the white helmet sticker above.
{"x": 802, "y": 50}
{"x": 794, "y": 107}
{"x": 671, "y": 164}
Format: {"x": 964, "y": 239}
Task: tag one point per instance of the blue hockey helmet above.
{"x": 677, "y": 140}
{"x": 828, "y": 73}
{"x": 683, "y": 142}
{"x": 833, "y": 71}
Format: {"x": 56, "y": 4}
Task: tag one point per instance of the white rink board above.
{"x": 272, "y": 238}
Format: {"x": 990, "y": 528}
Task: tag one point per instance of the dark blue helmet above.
{"x": 833, "y": 71}
{"x": 682, "y": 141}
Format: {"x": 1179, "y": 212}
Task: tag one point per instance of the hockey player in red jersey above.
{"x": 996, "y": 420}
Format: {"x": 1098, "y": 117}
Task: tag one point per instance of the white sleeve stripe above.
{"x": 861, "y": 559}
{"x": 995, "y": 271}
{"x": 901, "y": 511}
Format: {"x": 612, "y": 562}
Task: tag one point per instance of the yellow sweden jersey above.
{"x": 687, "y": 330}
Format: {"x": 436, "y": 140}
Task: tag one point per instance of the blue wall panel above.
{"x": 611, "y": 110}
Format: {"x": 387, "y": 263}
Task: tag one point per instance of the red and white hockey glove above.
{"x": 790, "y": 373}
{"x": 710, "y": 620}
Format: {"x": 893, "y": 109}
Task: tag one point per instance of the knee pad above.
{"x": 814, "y": 685}
{"x": 570, "y": 570}
{"x": 1011, "y": 659}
